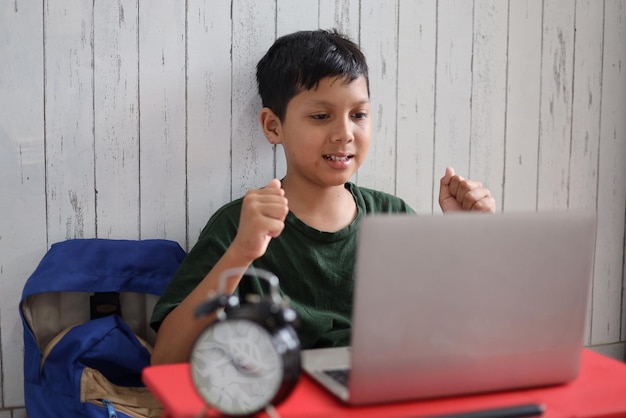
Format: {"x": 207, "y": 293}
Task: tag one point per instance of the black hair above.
{"x": 298, "y": 62}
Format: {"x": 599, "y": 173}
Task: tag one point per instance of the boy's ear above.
{"x": 271, "y": 125}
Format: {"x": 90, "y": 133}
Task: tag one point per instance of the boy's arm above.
{"x": 457, "y": 193}
{"x": 262, "y": 218}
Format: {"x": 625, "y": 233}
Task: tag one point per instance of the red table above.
{"x": 599, "y": 391}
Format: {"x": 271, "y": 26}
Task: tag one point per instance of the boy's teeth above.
{"x": 336, "y": 158}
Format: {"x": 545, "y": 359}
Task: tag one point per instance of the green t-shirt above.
{"x": 315, "y": 268}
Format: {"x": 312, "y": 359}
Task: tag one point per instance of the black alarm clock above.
{"x": 248, "y": 359}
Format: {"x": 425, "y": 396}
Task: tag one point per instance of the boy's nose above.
{"x": 342, "y": 131}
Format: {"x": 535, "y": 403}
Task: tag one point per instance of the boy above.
{"x": 315, "y": 93}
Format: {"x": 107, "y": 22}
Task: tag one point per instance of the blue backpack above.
{"x": 85, "y": 312}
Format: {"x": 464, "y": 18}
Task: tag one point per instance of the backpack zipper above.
{"x": 110, "y": 408}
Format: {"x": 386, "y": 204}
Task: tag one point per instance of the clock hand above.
{"x": 245, "y": 364}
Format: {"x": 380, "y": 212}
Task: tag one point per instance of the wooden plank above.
{"x": 489, "y": 66}
{"x": 343, "y": 15}
{"x": 609, "y": 264}
{"x": 585, "y": 117}
{"x": 292, "y": 16}
{"x": 162, "y": 120}
{"x": 453, "y": 89}
{"x": 69, "y": 120}
{"x": 208, "y": 111}
{"x": 116, "y": 95}
{"x": 253, "y": 156}
{"x": 522, "y": 106}
{"x": 380, "y": 46}
{"x": 555, "y": 125}
{"x": 22, "y": 179}
{"x": 416, "y": 103}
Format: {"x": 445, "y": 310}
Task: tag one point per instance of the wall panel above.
{"x": 69, "y": 119}
{"x": 253, "y": 33}
{"x": 522, "y": 105}
{"x": 453, "y": 90}
{"x": 608, "y": 303}
{"x": 489, "y": 67}
{"x": 162, "y": 129}
{"x": 555, "y": 127}
{"x": 342, "y": 15}
{"x": 116, "y": 118}
{"x": 416, "y": 103}
{"x": 23, "y": 239}
{"x": 585, "y": 138}
{"x": 379, "y": 43}
{"x": 208, "y": 87}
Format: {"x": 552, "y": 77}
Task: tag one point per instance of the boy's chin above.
{"x": 338, "y": 181}
{"x": 335, "y": 180}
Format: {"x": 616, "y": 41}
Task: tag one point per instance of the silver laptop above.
{"x": 462, "y": 304}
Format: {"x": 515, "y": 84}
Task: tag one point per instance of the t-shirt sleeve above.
{"x": 214, "y": 239}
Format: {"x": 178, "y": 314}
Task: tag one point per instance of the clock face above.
{"x": 235, "y": 366}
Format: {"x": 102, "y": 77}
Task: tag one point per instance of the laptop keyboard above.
{"x": 340, "y": 375}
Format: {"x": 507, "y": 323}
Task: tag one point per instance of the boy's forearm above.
{"x": 180, "y": 329}
{"x": 176, "y": 336}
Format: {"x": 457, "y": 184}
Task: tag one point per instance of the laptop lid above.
{"x": 467, "y": 303}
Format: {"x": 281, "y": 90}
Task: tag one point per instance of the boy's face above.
{"x": 325, "y": 132}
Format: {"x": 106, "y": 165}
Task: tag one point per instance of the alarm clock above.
{"x": 248, "y": 359}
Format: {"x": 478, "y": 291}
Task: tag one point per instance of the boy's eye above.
{"x": 324, "y": 116}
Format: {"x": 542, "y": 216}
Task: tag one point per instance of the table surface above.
{"x": 599, "y": 391}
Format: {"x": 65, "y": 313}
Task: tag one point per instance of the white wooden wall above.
{"x": 137, "y": 119}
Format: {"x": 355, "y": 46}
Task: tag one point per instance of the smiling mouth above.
{"x": 343, "y": 158}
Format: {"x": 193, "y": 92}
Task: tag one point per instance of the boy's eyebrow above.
{"x": 321, "y": 102}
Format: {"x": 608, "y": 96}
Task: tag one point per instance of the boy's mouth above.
{"x": 342, "y": 158}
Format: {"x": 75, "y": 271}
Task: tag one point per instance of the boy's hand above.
{"x": 457, "y": 193}
{"x": 263, "y": 213}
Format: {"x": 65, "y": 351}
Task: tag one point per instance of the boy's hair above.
{"x": 298, "y": 62}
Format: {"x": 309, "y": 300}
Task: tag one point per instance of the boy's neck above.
{"x": 327, "y": 208}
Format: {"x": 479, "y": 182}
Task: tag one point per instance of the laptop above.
{"x": 460, "y": 304}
